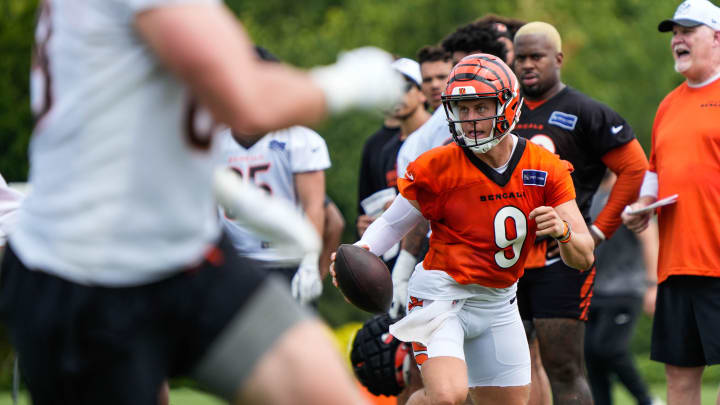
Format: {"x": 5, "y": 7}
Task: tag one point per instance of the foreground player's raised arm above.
{"x": 565, "y": 224}
{"x": 205, "y": 45}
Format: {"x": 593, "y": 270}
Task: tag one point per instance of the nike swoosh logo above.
{"x": 616, "y": 129}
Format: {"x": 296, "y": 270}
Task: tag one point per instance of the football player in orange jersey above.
{"x": 684, "y": 162}
{"x": 487, "y": 196}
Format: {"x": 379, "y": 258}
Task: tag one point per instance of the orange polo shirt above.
{"x": 686, "y": 157}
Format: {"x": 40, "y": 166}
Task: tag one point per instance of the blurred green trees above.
{"x": 16, "y": 36}
{"x": 613, "y": 52}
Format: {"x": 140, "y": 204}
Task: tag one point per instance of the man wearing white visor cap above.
{"x": 692, "y": 13}
{"x": 686, "y": 145}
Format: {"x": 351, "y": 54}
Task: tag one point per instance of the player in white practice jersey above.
{"x": 288, "y": 164}
{"x": 117, "y": 276}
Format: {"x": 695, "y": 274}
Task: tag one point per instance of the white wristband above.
{"x": 594, "y": 229}
{"x": 649, "y": 185}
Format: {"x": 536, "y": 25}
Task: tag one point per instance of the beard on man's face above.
{"x": 533, "y": 91}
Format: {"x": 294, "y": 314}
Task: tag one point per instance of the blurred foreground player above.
{"x": 117, "y": 275}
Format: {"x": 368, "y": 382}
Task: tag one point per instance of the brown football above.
{"x": 363, "y": 278}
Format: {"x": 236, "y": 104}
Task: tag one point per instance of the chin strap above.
{"x": 485, "y": 148}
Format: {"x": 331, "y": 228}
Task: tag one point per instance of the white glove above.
{"x": 306, "y": 284}
{"x": 362, "y": 78}
{"x": 404, "y": 266}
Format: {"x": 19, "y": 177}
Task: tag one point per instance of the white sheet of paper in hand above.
{"x": 659, "y": 203}
{"x": 374, "y": 205}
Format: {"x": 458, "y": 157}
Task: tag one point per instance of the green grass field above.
{"x": 181, "y": 396}
{"x": 653, "y": 372}
{"x": 186, "y": 396}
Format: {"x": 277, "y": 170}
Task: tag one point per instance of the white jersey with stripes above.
{"x": 121, "y": 157}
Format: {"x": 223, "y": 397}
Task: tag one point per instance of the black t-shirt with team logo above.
{"x": 580, "y": 130}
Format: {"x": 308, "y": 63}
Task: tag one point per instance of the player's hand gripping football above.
{"x": 362, "y": 277}
{"x": 333, "y": 256}
{"x": 306, "y": 284}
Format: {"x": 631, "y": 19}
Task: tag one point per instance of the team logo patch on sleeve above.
{"x": 534, "y": 177}
{"x": 277, "y": 145}
{"x": 563, "y": 120}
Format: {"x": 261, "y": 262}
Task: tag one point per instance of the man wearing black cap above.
{"x": 685, "y": 166}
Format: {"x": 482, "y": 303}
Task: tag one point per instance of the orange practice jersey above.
{"x": 686, "y": 157}
{"x": 481, "y": 233}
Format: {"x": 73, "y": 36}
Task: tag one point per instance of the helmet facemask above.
{"x": 497, "y": 82}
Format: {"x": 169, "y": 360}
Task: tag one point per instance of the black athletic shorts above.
{"x": 555, "y": 291}
{"x": 686, "y": 325}
{"x": 79, "y": 344}
{"x": 610, "y": 326}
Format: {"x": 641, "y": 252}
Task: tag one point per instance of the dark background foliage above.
{"x": 613, "y": 52}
